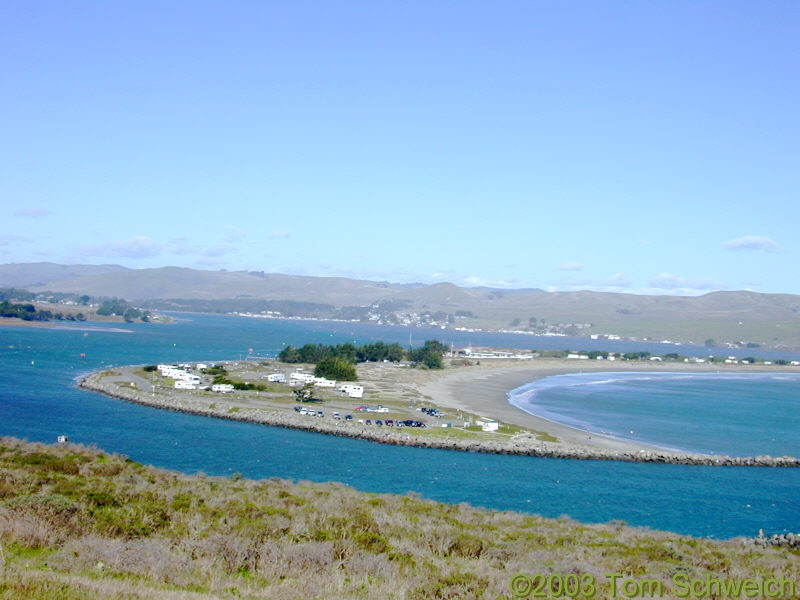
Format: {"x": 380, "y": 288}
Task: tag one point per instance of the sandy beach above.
{"x": 463, "y": 393}
{"x": 484, "y": 390}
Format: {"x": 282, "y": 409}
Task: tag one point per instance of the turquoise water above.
{"x": 740, "y": 414}
{"x": 39, "y": 400}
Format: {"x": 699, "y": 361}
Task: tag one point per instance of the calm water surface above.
{"x": 39, "y": 400}
{"x": 740, "y": 414}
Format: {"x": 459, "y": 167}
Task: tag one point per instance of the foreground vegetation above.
{"x": 78, "y": 523}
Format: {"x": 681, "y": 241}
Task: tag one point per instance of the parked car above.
{"x": 336, "y": 415}
{"x": 348, "y": 417}
{"x": 320, "y": 413}
{"x": 378, "y": 422}
{"x": 389, "y": 422}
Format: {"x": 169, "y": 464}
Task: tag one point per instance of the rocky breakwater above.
{"x": 520, "y": 444}
{"x": 786, "y": 540}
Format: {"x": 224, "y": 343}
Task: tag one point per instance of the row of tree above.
{"x": 28, "y": 312}
{"x": 120, "y": 307}
{"x": 315, "y": 353}
{"x": 337, "y": 361}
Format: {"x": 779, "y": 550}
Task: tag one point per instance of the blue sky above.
{"x": 646, "y": 147}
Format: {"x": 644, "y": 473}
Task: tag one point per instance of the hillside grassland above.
{"x": 726, "y": 316}
{"x": 76, "y": 522}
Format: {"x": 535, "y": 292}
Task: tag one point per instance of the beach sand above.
{"x": 484, "y": 390}
{"x": 479, "y": 390}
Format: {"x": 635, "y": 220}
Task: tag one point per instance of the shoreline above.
{"x": 488, "y": 393}
{"x": 481, "y": 391}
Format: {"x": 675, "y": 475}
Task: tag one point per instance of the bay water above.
{"x": 39, "y": 400}
{"x": 739, "y": 414}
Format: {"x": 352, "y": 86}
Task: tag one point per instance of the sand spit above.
{"x": 477, "y": 391}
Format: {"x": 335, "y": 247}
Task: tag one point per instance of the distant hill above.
{"x": 177, "y": 282}
{"x": 735, "y": 316}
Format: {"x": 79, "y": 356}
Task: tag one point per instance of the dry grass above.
{"x": 77, "y": 523}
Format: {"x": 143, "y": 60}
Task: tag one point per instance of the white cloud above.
{"x": 32, "y": 213}
{"x": 682, "y": 285}
{"x": 210, "y": 261}
{"x": 216, "y": 250}
{"x": 12, "y": 240}
{"x": 571, "y": 266}
{"x": 618, "y": 282}
{"x": 477, "y": 281}
{"x": 234, "y": 234}
{"x": 751, "y": 242}
{"x": 182, "y": 247}
{"x": 136, "y": 247}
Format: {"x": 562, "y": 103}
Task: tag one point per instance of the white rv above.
{"x": 301, "y": 377}
{"x": 352, "y": 390}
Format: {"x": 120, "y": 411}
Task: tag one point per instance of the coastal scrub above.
{"x": 78, "y": 523}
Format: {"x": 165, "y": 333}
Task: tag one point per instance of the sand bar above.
{"x": 479, "y": 390}
{"x": 484, "y": 390}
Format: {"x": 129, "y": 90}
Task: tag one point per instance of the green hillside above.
{"x": 76, "y": 523}
{"x": 726, "y": 317}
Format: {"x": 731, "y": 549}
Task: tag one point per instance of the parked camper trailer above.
{"x": 301, "y": 377}
{"x": 352, "y": 390}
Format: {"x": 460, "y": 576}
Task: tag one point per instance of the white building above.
{"x": 222, "y": 388}
{"x": 277, "y": 378}
{"x": 487, "y": 424}
{"x": 185, "y": 385}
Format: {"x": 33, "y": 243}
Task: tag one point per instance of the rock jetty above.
{"x": 786, "y": 540}
{"x": 521, "y": 444}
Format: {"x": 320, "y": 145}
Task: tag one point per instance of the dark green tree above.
{"x": 305, "y": 393}
{"x": 335, "y": 367}
{"x": 429, "y": 354}
{"x": 289, "y": 355}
